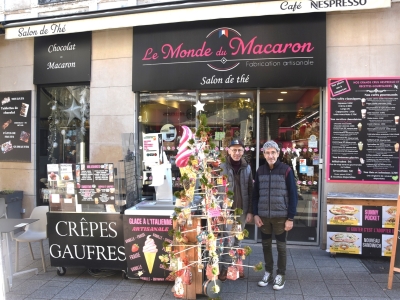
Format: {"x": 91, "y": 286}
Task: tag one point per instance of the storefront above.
{"x": 241, "y": 73}
{"x": 147, "y": 79}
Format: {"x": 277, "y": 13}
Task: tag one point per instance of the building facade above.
{"x": 359, "y": 43}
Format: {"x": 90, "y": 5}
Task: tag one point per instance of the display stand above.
{"x": 191, "y": 255}
{"x": 395, "y": 259}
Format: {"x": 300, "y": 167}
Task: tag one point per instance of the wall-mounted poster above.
{"x": 144, "y": 238}
{"x": 15, "y": 121}
{"x": 95, "y": 183}
{"x": 364, "y": 129}
{"x": 358, "y": 229}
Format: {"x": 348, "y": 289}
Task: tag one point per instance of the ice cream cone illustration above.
{"x": 182, "y": 159}
{"x": 150, "y": 251}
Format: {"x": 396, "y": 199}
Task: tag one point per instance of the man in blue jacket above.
{"x": 274, "y": 207}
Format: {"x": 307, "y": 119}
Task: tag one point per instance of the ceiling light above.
{"x": 280, "y": 99}
{"x": 204, "y": 94}
{"x": 243, "y": 93}
{"x": 211, "y": 101}
{"x": 169, "y": 95}
{"x": 283, "y": 92}
{"x": 182, "y": 100}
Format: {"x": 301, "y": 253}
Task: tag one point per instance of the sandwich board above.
{"x": 395, "y": 258}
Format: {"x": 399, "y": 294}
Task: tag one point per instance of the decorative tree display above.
{"x": 206, "y": 193}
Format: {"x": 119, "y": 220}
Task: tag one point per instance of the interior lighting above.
{"x": 280, "y": 99}
{"x": 283, "y": 92}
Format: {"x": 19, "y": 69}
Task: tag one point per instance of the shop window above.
{"x": 64, "y": 128}
{"x": 230, "y": 114}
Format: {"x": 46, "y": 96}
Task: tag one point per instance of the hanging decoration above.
{"x": 54, "y": 123}
{"x": 199, "y": 106}
{"x": 84, "y": 102}
{"x": 74, "y": 111}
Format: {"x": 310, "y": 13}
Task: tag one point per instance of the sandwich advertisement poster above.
{"x": 357, "y": 229}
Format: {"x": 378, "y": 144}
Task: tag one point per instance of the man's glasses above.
{"x": 237, "y": 150}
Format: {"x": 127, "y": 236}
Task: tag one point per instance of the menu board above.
{"x": 15, "y": 121}
{"x": 363, "y": 130}
{"x": 144, "y": 238}
{"x": 95, "y": 183}
{"x": 357, "y": 229}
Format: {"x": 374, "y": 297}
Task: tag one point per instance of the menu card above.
{"x": 95, "y": 183}
{"x": 364, "y": 130}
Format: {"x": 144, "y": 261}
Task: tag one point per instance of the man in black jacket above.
{"x": 274, "y": 207}
{"x": 240, "y": 181}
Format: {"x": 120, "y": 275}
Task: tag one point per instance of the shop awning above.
{"x": 179, "y": 12}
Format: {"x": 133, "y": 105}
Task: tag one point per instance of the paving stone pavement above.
{"x": 311, "y": 274}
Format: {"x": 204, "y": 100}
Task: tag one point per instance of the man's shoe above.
{"x": 279, "y": 282}
{"x": 222, "y": 275}
{"x": 266, "y": 279}
{"x": 241, "y": 275}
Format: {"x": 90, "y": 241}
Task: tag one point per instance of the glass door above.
{"x": 291, "y": 117}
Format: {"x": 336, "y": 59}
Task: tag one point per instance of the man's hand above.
{"x": 257, "y": 221}
{"x": 288, "y": 225}
{"x": 249, "y": 217}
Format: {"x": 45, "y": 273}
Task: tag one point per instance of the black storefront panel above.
{"x": 86, "y": 239}
{"x": 268, "y": 51}
{"x": 62, "y": 58}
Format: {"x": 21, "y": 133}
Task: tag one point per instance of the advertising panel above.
{"x": 90, "y": 240}
{"x": 364, "y": 128}
{"x": 358, "y": 229}
{"x": 15, "y": 120}
{"x": 144, "y": 238}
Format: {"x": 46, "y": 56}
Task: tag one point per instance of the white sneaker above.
{"x": 279, "y": 282}
{"x": 266, "y": 279}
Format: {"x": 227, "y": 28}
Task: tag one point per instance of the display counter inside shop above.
{"x": 359, "y": 223}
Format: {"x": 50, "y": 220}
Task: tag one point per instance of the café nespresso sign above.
{"x": 62, "y": 58}
{"x": 273, "y": 51}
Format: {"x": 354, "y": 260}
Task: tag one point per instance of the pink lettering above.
{"x": 169, "y": 51}
{"x": 150, "y": 55}
{"x": 239, "y": 47}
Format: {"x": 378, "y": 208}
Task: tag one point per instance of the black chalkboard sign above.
{"x": 364, "y": 128}
{"x": 395, "y": 258}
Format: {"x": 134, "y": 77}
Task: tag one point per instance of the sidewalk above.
{"x": 311, "y": 274}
